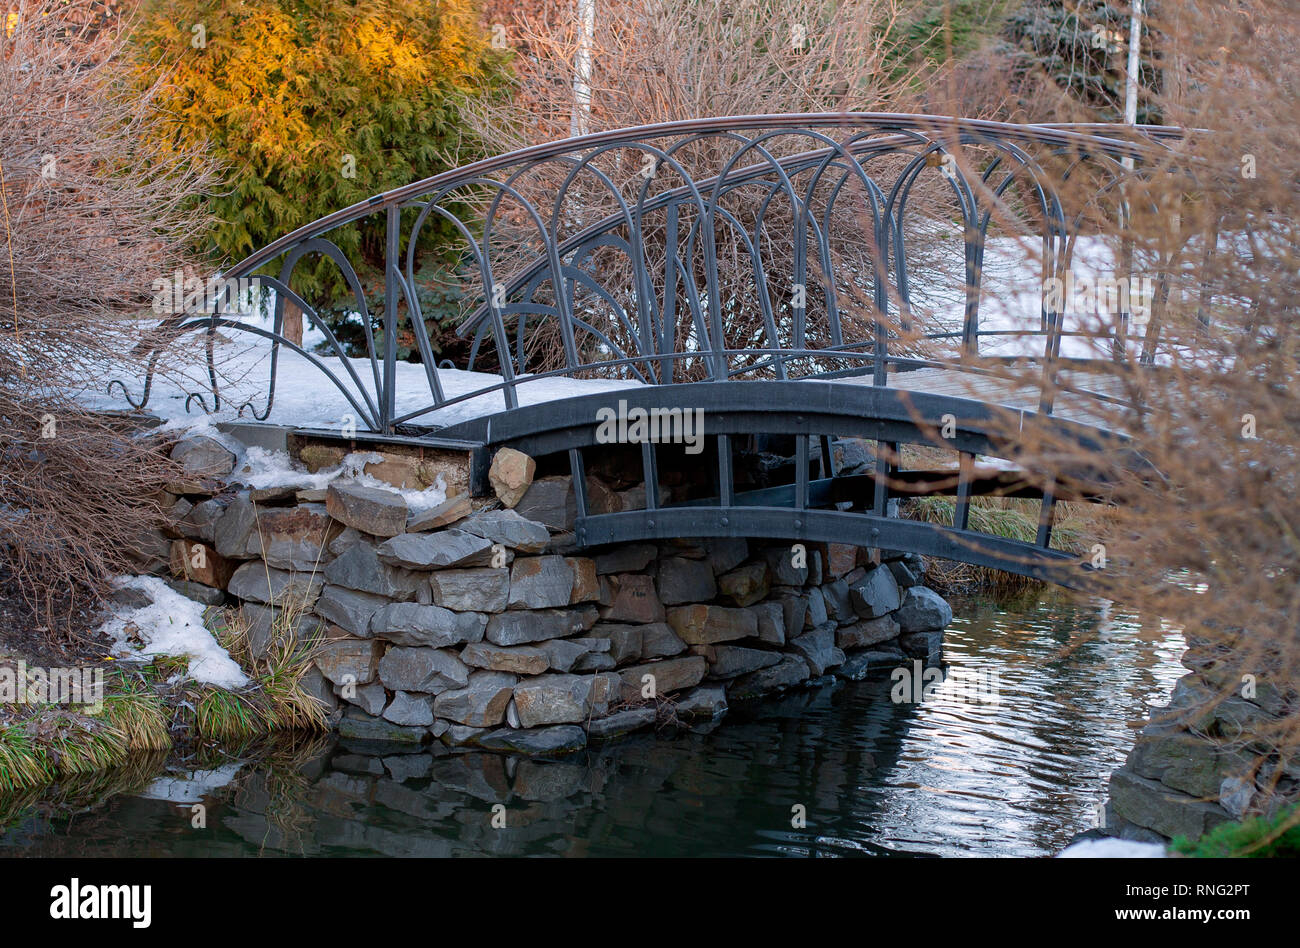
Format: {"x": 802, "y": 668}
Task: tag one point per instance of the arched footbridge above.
{"x": 785, "y": 280}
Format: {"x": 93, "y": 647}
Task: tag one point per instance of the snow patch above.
{"x": 171, "y": 624}
{"x": 260, "y": 468}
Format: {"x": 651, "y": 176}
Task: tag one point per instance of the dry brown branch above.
{"x": 1207, "y": 535}
{"x": 94, "y": 213}
{"x": 656, "y": 62}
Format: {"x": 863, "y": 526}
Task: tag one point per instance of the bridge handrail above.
{"x": 928, "y": 133}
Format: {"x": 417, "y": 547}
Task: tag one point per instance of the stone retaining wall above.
{"x": 478, "y": 624}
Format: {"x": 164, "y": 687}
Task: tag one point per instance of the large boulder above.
{"x": 360, "y": 726}
{"x": 681, "y": 580}
{"x": 517, "y": 659}
{"x": 200, "y": 522}
{"x": 625, "y": 641}
{"x": 706, "y": 625}
{"x": 704, "y": 701}
{"x": 408, "y": 623}
{"x": 839, "y": 603}
{"x": 540, "y": 582}
{"x": 671, "y": 674}
{"x": 511, "y": 474}
{"x": 818, "y": 649}
{"x": 635, "y": 600}
{"x": 794, "y": 610}
{"x": 867, "y": 632}
{"x": 563, "y": 654}
{"x": 627, "y": 558}
{"x": 202, "y": 456}
{"x": 198, "y": 562}
{"x": 816, "y": 614}
{"x": 726, "y": 553}
{"x": 770, "y": 617}
{"x": 561, "y": 699}
{"x": 781, "y": 561}
{"x": 841, "y": 559}
{"x": 745, "y": 585}
{"x": 791, "y": 670}
{"x": 372, "y": 510}
{"x": 1152, "y": 805}
{"x": 344, "y": 657}
{"x": 257, "y": 582}
{"x": 481, "y": 703}
{"x": 923, "y": 610}
{"x": 293, "y": 537}
{"x": 442, "y": 515}
{"x": 425, "y": 551}
{"x": 586, "y": 582}
{"x": 508, "y": 528}
{"x": 520, "y": 628}
{"x": 359, "y": 567}
{"x": 471, "y": 590}
{"x": 876, "y": 593}
{"x": 411, "y": 710}
{"x": 348, "y": 609}
{"x": 728, "y": 661}
{"x": 370, "y": 698}
{"x": 550, "y": 501}
{"x": 537, "y": 742}
{"x": 620, "y": 723}
{"x": 233, "y": 526}
{"x": 658, "y": 640}
{"x": 427, "y": 670}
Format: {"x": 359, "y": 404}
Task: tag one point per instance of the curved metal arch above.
{"x": 568, "y": 263}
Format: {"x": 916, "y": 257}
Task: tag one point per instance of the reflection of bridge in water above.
{"x": 784, "y": 274}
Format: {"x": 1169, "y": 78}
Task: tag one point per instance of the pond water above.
{"x": 1018, "y": 776}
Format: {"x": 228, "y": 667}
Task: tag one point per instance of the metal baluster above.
{"x": 1046, "y": 514}
{"x": 725, "y": 486}
{"x": 966, "y": 473}
{"x": 801, "y": 472}
{"x": 388, "y": 397}
{"x": 650, "y": 473}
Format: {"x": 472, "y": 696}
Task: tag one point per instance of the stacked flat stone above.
{"x": 482, "y": 627}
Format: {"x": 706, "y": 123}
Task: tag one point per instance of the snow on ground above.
{"x": 1112, "y": 849}
{"x": 258, "y": 467}
{"x": 171, "y": 625}
{"x": 1012, "y": 295}
{"x": 305, "y": 397}
{"x": 1011, "y": 300}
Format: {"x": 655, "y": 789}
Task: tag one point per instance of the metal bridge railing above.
{"x": 778, "y": 246}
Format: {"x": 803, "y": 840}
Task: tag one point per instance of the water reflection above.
{"x": 1018, "y": 777}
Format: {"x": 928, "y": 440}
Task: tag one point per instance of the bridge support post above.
{"x": 392, "y": 251}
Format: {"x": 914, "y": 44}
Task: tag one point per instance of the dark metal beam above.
{"x": 833, "y": 526}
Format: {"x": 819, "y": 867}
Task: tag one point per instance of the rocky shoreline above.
{"x": 477, "y": 624}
